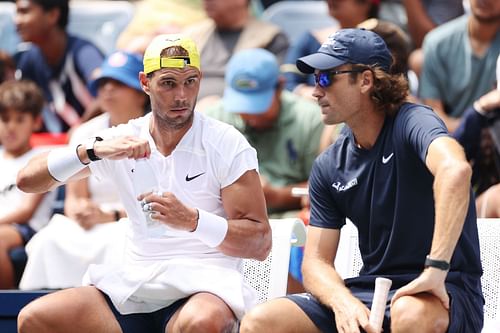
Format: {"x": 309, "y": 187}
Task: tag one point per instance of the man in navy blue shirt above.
{"x": 405, "y": 183}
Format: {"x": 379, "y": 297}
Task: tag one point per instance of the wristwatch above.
{"x": 439, "y": 264}
{"x": 89, "y": 146}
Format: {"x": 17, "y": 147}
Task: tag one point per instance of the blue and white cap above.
{"x": 251, "y": 80}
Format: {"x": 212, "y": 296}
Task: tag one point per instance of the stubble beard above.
{"x": 168, "y": 123}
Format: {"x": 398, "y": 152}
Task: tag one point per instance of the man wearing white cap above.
{"x": 189, "y": 227}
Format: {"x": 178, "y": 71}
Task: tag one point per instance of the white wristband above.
{"x": 211, "y": 228}
{"x": 64, "y": 163}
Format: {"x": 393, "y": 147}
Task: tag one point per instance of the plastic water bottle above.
{"x": 144, "y": 180}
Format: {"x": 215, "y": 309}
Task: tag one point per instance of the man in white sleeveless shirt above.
{"x": 195, "y": 206}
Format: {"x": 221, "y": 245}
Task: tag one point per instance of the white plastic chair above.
{"x": 348, "y": 263}
{"x": 489, "y": 241}
{"x": 296, "y": 17}
{"x": 269, "y": 277}
{"x": 348, "y": 260}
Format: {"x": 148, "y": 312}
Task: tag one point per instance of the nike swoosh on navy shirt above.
{"x": 387, "y": 159}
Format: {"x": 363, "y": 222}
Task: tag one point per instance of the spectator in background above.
{"x": 459, "y": 61}
{"x": 60, "y": 64}
{"x": 21, "y": 214}
{"x": 348, "y": 13}
{"x": 483, "y": 116}
{"x": 7, "y": 67}
{"x": 283, "y": 127}
{"x": 423, "y": 16}
{"x": 230, "y": 28}
{"x": 60, "y": 253}
{"x": 154, "y": 17}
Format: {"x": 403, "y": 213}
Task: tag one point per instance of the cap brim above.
{"x": 118, "y": 76}
{"x": 319, "y": 61}
{"x": 248, "y": 102}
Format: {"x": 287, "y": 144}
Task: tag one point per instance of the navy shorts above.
{"x": 152, "y": 322}
{"x": 466, "y": 309}
{"x": 26, "y": 232}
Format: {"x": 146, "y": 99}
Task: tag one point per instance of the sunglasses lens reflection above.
{"x": 323, "y": 79}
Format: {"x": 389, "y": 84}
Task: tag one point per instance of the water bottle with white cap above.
{"x": 144, "y": 180}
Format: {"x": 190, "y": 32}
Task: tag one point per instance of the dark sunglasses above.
{"x": 325, "y": 79}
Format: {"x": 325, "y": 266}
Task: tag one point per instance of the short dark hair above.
{"x": 21, "y": 96}
{"x": 62, "y": 5}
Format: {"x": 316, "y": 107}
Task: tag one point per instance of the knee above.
{"x": 254, "y": 321}
{"x": 206, "y": 322}
{"x": 408, "y": 315}
{"x": 28, "y": 320}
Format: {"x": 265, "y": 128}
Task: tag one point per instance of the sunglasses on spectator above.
{"x": 325, "y": 79}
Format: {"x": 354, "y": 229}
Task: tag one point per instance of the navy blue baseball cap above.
{"x": 348, "y": 46}
{"x": 121, "y": 66}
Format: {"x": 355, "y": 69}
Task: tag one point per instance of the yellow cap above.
{"x": 153, "y": 61}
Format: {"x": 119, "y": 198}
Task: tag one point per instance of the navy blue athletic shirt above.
{"x": 86, "y": 58}
{"x": 387, "y": 192}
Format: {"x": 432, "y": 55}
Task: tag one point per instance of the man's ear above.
{"x": 53, "y": 14}
{"x": 143, "y": 79}
{"x": 367, "y": 80}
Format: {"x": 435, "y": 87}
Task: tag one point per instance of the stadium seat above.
{"x": 348, "y": 263}
{"x": 296, "y": 17}
{"x": 269, "y": 277}
{"x": 100, "y": 21}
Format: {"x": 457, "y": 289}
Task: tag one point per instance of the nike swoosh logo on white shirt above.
{"x": 387, "y": 159}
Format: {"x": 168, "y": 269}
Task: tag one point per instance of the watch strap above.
{"x": 90, "y": 148}
{"x": 439, "y": 264}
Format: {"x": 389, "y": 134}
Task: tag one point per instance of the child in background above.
{"x": 21, "y": 214}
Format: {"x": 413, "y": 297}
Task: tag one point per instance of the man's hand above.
{"x": 488, "y": 102}
{"x": 166, "y": 208}
{"x": 351, "y": 314}
{"x": 88, "y": 214}
{"x": 122, "y": 147}
{"x": 430, "y": 281}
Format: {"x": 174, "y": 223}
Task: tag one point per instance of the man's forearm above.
{"x": 322, "y": 280}
{"x": 247, "y": 239}
{"x": 451, "y": 193}
{"x": 35, "y": 176}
